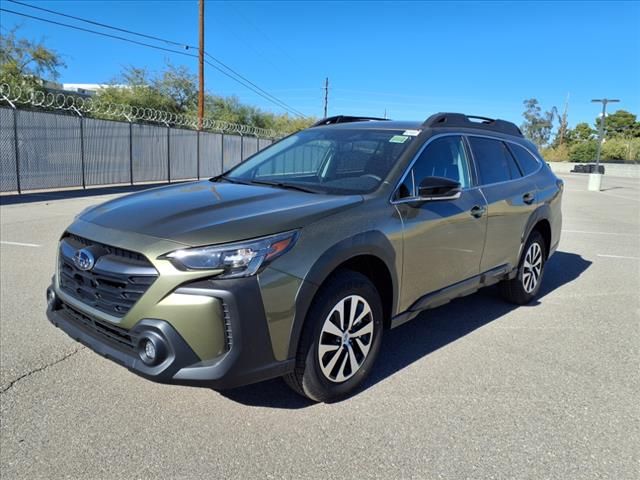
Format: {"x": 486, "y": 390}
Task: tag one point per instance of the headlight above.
{"x": 241, "y": 259}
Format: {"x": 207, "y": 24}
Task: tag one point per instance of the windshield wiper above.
{"x": 225, "y": 178}
{"x": 290, "y": 186}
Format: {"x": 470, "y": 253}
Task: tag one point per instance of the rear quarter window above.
{"x": 528, "y": 163}
{"x": 494, "y": 161}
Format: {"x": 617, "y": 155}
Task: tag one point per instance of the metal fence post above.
{"x": 222, "y": 152}
{"x": 168, "y": 154}
{"x": 241, "y": 148}
{"x": 198, "y": 153}
{"x": 131, "y": 152}
{"x": 84, "y": 182}
{"x": 16, "y": 145}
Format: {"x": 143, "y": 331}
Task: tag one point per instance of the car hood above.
{"x": 204, "y": 213}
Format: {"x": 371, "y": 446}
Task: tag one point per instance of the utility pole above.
{"x": 604, "y": 102}
{"x": 562, "y": 130}
{"x": 594, "y": 178}
{"x": 326, "y": 96}
{"x": 201, "y": 67}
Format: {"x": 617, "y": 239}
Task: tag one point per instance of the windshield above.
{"x": 337, "y": 161}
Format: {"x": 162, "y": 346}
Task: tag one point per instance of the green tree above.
{"x": 537, "y": 124}
{"x": 27, "y": 63}
{"x": 176, "y": 90}
{"x": 173, "y": 91}
{"x": 581, "y": 133}
{"x": 620, "y": 124}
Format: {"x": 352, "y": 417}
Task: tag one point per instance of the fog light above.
{"x": 150, "y": 350}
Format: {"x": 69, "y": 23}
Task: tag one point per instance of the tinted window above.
{"x": 527, "y": 162}
{"x": 494, "y": 162}
{"x": 298, "y": 160}
{"x": 443, "y": 157}
{"x": 331, "y": 160}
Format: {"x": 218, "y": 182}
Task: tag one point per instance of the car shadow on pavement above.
{"x": 430, "y": 331}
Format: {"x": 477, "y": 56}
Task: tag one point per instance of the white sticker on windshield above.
{"x": 398, "y": 139}
{"x": 412, "y": 133}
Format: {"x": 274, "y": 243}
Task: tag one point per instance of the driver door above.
{"x": 443, "y": 239}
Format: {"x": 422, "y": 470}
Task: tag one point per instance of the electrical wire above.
{"x": 297, "y": 112}
{"x": 249, "y": 84}
{"x": 104, "y": 25}
{"x": 117, "y": 37}
{"x": 262, "y": 93}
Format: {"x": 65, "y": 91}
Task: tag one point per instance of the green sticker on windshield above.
{"x": 398, "y": 139}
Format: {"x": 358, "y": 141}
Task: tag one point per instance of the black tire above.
{"x": 517, "y": 290}
{"x": 308, "y": 378}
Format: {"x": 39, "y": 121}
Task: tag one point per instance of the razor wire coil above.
{"x": 91, "y": 107}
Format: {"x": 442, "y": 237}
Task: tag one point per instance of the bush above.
{"x": 615, "y": 149}
{"x": 559, "y": 153}
{"x": 584, "y": 151}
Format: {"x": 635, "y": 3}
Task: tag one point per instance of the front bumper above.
{"x": 248, "y": 357}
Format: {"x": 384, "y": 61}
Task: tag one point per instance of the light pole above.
{"x": 595, "y": 178}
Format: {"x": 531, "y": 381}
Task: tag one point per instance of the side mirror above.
{"x": 439, "y": 188}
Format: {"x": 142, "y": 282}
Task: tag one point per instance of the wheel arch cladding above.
{"x": 544, "y": 227}
{"x": 539, "y": 220}
{"x": 369, "y": 253}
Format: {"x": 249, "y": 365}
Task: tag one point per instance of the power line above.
{"x": 259, "y": 91}
{"x": 97, "y": 33}
{"x": 93, "y": 22}
{"x": 250, "y": 82}
{"x": 159, "y": 39}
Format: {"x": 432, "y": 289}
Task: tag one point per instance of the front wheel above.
{"x": 525, "y": 286}
{"x": 340, "y": 340}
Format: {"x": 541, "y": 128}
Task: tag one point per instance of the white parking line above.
{"x": 618, "y": 256}
{"x": 20, "y": 244}
{"x": 602, "y": 233}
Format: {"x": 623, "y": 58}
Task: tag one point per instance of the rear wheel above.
{"x": 525, "y": 286}
{"x": 340, "y": 340}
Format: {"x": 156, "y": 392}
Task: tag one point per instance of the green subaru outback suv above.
{"x": 295, "y": 262}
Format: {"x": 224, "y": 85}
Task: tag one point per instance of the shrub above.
{"x": 584, "y": 151}
{"x": 559, "y": 153}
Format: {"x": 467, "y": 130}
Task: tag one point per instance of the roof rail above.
{"x": 344, "y": 119}
{"x": 472, "y": 121}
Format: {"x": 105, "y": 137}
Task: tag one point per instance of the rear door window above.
{"x": 528, "y": 163}
{"x": 493, "y": 160}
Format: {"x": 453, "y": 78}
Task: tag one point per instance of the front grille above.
{"x": 116, "y": 282}
{"x": 112, "y": 333}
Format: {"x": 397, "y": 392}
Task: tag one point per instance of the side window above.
{"x": 528, "y": 163}
{"x": 494, "y": 161}
{"x": 443, "y": 157}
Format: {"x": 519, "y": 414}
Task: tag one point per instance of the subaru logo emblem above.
{"x": 84, "y": 259}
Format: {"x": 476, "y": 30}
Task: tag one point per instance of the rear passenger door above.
{"x": 511, "y": 198}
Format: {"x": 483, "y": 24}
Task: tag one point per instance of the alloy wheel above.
{"x": 532, "y": 267}
{"x": 346, "y": 338}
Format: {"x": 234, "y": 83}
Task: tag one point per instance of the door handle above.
{"x": 478, "y": 211}
{"x": 528, "y": 198}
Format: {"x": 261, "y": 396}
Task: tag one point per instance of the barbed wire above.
{"x": 16, "y": 95}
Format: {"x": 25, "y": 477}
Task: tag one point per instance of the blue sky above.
{"x": 409, "y": 58}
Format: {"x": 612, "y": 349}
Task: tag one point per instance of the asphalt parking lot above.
{"x": 473, "y": 389}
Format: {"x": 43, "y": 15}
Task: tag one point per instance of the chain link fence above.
{"x": 52, "y": 150}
